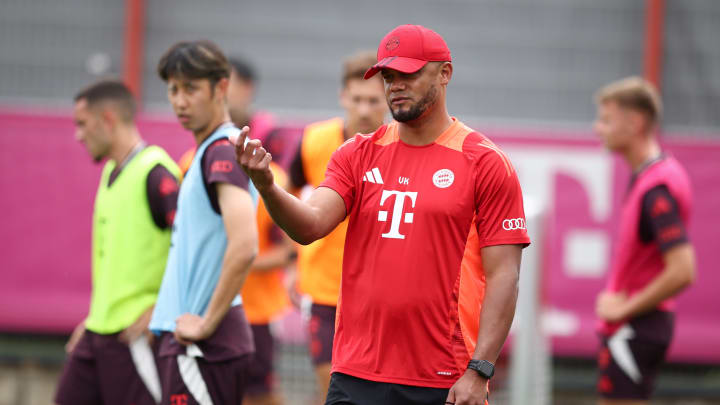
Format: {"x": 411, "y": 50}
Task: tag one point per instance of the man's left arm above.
{"x": 238, "y": 214}
{"x": 502, "y": 271}
{"x": 503, "y": 234}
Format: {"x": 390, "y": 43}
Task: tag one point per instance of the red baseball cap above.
{"x": 408, "y": 48}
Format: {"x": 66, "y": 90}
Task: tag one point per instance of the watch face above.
{"x": 483, "y": 367}
{"x": 487, "y": 368}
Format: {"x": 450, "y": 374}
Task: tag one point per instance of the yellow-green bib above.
{"x": 129, "y": 251}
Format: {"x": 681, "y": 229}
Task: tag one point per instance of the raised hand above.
{"x": 253, "y": 159}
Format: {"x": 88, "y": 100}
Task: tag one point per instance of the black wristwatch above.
{"x": 483, "y": 367}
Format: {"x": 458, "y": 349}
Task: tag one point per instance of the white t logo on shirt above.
{"x": 397, "y": 213}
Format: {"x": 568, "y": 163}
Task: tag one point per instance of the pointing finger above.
{"x": 239, "y": 139}
{"x": 239, "y": 142}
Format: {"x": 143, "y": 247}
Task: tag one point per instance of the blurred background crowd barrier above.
{"x": 525, "y": 73}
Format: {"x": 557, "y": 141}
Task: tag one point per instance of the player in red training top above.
{"x": 653, "y": 260}
{"x": 435, "y": 235}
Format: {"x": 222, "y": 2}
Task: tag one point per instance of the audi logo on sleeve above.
{"x": 513, "y": 224}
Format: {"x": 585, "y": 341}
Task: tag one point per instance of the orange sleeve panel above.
{"x": 471, "y": 293}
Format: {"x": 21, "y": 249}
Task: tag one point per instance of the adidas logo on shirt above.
{"x": 373, "y": 176}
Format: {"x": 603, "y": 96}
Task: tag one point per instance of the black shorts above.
{"x": 348, "y": 390}
{"x": 322, "y": 332}
{"x": 630, "y": 359}
{"x": 260, "y": 379}
{"x": 103, "y": 370}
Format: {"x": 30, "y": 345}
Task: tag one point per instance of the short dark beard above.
{"x": 418, "y": 109}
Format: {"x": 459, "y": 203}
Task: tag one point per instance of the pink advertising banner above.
{"x": 48, "y": 185}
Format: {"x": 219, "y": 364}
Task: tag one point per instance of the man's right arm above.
{"x": 303, "y": 221}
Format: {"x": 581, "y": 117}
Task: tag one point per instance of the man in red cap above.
{"x": 434, "y": 241}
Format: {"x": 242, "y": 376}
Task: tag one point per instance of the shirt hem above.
{"x": 104, "y": 332}
{"x": 417, "y": 382}
{"x": 162, "y": 326}
{"x": 103, "y": 329}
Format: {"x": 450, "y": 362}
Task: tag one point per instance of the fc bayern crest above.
{"x": 392, "y": 43}
{"x": 443, "y": 178}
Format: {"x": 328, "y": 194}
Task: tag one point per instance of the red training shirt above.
{"x": 412, "y": 281}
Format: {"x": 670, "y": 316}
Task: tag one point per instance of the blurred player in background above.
{"x": 205, "y": 340}
{"x": 320, "y": 263}
{"x": 110, "y": 358}
{"x": 434, "y": 239}
{"x": 241, "y": 95}
{"x": 654, "y": 260}
{"x": 264, "y": 294}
